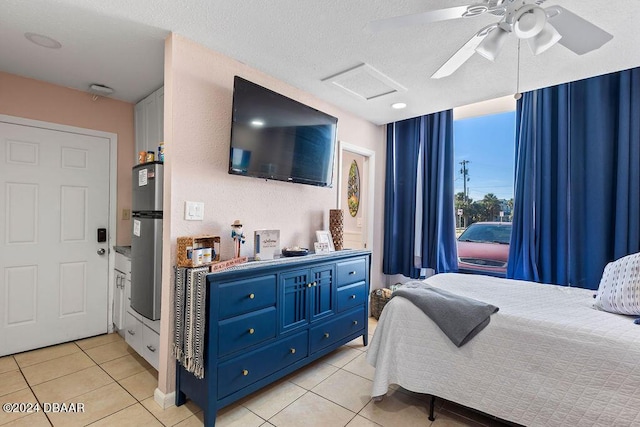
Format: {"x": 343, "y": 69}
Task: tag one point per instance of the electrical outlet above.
{"x": 126, "y": 214}
{"x": 194, "y": 211}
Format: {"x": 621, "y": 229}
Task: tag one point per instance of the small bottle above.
{"x": 161, "y": 152}
{"x": 150, "y": 156}
{"x": 142, "y": 157}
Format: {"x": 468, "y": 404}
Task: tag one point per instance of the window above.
{"x": 485, "y": 158}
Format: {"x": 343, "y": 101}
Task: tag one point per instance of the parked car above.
{"x": 484, "y": 248}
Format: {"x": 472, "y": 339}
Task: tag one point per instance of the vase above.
{"x": 336, "y": 227}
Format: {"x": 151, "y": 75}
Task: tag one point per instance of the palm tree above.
{"x": 491, "y": 206}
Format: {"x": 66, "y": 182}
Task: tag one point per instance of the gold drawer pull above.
{"x": 355, "y": 322}
{"x": 309, "y": 285}
{"x": 326, "y": 334}
{"x": 351, "y": 273}
{"x": 245, "y": 372}
{"x": 252, "y": 296}
{"x": 353, "y": 296}
{"x": 292, "y": 351}
{"x": 314, "y": 284}
{"x": 251, "y": 330}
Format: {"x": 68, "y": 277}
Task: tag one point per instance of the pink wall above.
{"x": 198, "y": 101}
{"x": 37, "y": 100}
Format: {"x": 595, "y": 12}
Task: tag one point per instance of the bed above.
{"x": 547, "y": 357}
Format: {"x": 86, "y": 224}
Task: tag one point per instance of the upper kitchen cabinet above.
{"x": 149, "y": 122}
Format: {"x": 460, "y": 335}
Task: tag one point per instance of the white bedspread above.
{"x": 547, "y": 358}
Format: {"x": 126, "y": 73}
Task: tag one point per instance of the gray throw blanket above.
{"x": 460, "y": 318}
{"x": 190, "y": 318}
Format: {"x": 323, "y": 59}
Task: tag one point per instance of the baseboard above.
{"x": 164, "y": 400}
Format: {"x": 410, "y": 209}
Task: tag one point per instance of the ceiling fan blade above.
{"x": 417, "y": 18}
{"x": 578, "y": 34}
{"x": 463, "y": 54}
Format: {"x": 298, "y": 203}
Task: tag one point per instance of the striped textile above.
{"x": 190, "y": 303}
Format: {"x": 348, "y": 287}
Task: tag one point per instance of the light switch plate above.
{"x": 194, "y": 211}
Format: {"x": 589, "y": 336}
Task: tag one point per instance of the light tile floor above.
{"x": 116, "y": 387}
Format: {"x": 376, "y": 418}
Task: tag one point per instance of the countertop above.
{"x": 124, "y": 250}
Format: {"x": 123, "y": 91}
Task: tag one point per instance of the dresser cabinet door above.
{"x": 294, "y": 299}
{"x": 322, "y": 292}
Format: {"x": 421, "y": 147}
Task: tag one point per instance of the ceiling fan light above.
{"x": 492, "y": 44}
{"x": 529, "y": 21}
{"x": 544, "y": 40}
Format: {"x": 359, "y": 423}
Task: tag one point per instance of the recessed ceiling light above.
{"x": 43, "y": 41}
{"x": 257, "y": 123}
{"x": 398, "y": 105}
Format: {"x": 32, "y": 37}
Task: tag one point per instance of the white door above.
{"x": 54, "y": 195}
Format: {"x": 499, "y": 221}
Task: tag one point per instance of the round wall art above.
{"x": 353, "y": 189}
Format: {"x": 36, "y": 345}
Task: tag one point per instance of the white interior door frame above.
{"x": 113, "y": 187}
{"x": 371, "y": 173}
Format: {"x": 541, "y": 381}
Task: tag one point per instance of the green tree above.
{"x": 465, "y": 205}
{"x": 491, "y": 206}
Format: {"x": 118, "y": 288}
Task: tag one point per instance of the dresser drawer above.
{"x": 349, "y": 272}
{"x": 245, "y": 370}
{"x": 243, "y": 296}
{"x": 346, "y": 324}
{"x": 246, "y": 330}
{"x": 351, "y": 296}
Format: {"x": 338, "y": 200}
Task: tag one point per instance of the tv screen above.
{"x": 275, "y": 137}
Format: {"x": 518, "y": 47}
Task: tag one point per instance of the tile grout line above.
{"x": 128, "y": 392}
{"x": 48, "y": 360}
{"x": 34, "y": 394}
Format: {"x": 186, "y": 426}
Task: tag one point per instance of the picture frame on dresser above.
{"x": 324, "y": 236}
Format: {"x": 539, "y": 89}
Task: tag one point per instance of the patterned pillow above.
{"x": 619, "y": 290}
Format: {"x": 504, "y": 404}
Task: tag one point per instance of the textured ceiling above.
{"x": 119, "y": 43}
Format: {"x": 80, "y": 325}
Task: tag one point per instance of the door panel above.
{"x": 294, "y": 307}
{"x": 54, "y": 194}
{"x": 323, "y": 298}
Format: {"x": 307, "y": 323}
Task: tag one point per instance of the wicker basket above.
{"x": 378, "y": 299}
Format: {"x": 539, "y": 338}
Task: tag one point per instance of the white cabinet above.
{"x": 143, "y": 335}
{"x": 122, "y": 276}
{"x": 149, "y": 122}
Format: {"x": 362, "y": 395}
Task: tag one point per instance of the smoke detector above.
{"x": 100, "y": 90}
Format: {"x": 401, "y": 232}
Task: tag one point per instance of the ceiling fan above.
{"x": 527, "y": 20}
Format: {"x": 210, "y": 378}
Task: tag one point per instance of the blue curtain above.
{"x": 419, "y": 193}
{"x": 577, "y": 183}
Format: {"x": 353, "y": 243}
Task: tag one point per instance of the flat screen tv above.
{"x": 275, "y": 137}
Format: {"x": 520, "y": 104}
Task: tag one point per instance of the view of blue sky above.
{"x": 488, "y": 143}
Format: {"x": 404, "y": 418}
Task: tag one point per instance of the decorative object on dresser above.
{"x": 238, "y": 237}
{"x": 324, "y": 236}
{"x": 267, "y": 319}
{"x": 336, "y": 226}
{"x": 191, "y": 250}
{"x": 267, "y": 244}
{"x": 321, "y": 248}
{"x": 295, "y": 251}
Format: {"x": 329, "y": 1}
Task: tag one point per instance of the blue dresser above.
{"x": 267, "y": 319}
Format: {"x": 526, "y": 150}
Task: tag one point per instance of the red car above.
{"x": 484, "y": 248}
